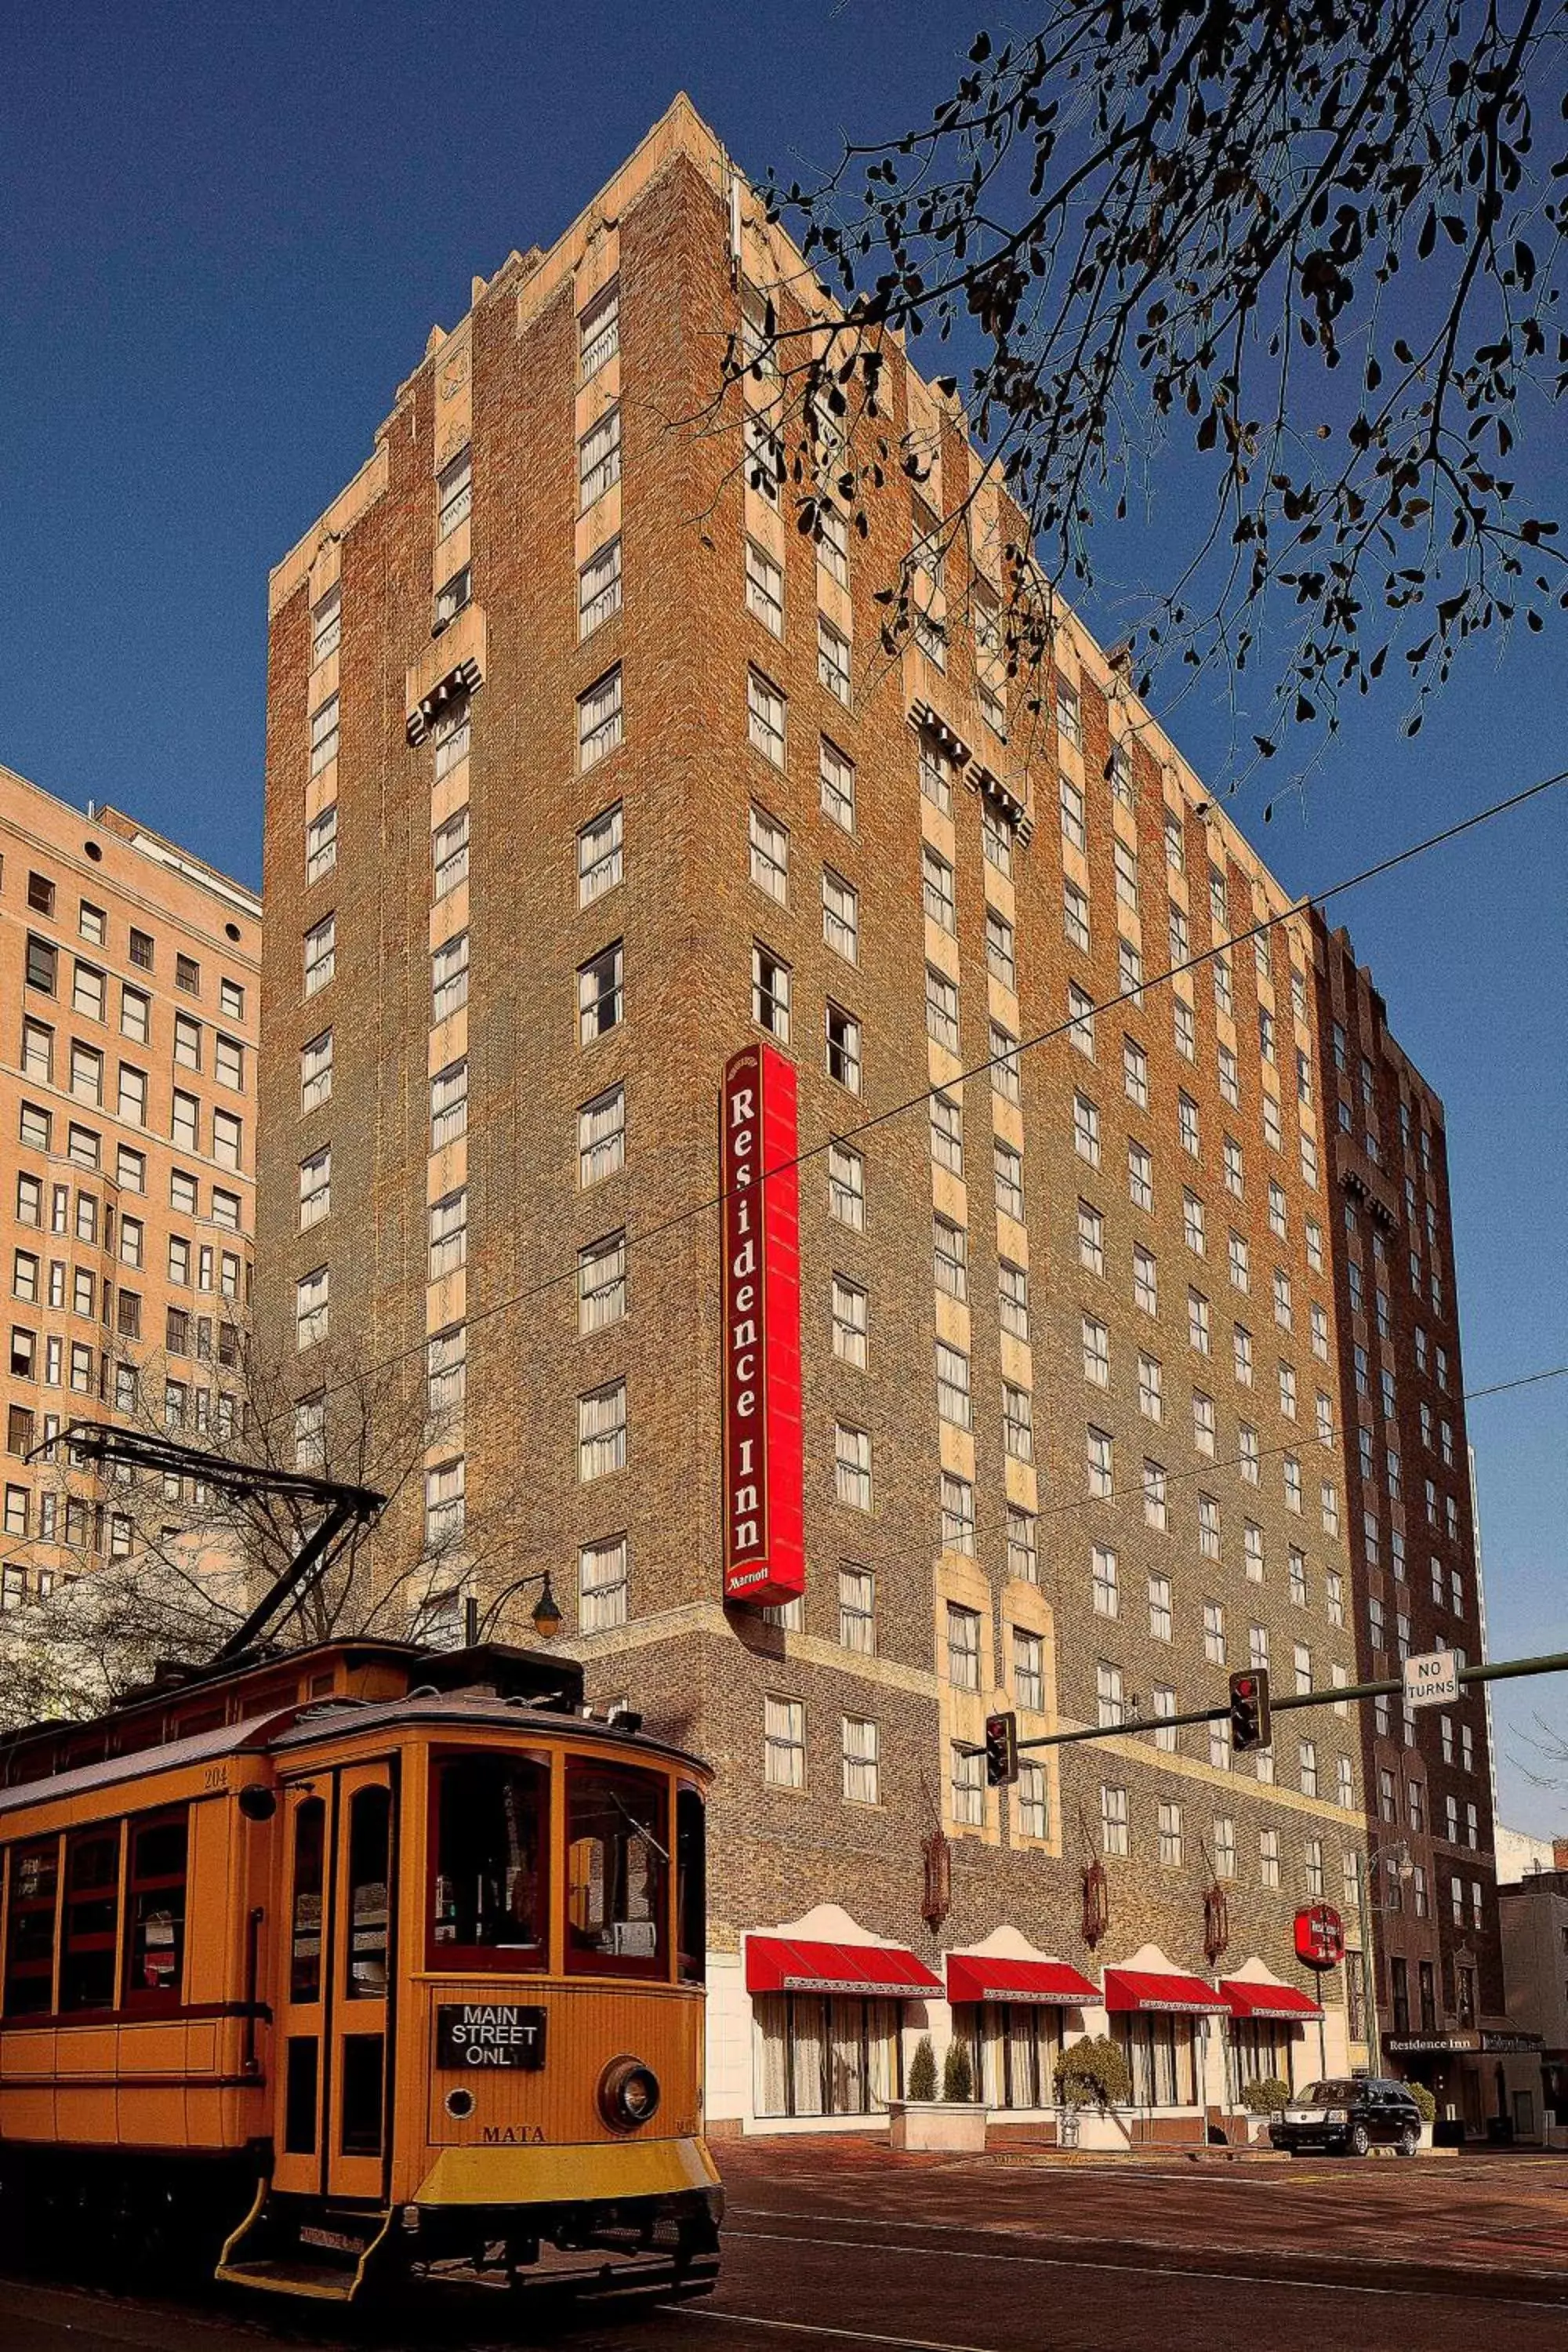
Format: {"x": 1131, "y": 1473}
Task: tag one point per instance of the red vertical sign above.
{"x": 764, "y": 1471}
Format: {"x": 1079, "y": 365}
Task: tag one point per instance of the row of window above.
{"x": 92, "y": 924}
{"x": 90, "y": 997}
{"x": 84, "y": 1146}
{"x": 85, "y": 1082}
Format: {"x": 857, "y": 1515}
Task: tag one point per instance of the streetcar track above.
{"x": 1458, "y": 2293}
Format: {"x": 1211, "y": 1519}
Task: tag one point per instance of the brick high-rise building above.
{"x": 127, "y": 1110}
{"x": 1432, "y": 1883}
{"x": 586, "y": 772}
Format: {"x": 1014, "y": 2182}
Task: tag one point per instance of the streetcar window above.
{"x": 155, "y": 1912}
{"x": 92, "y": 1921}
{"x": 370, "y": 1867}
{"x": 488, "y": 1897}
{"x": 691, "y": 1885}
{"x": 30, "y": 1938}
{"x": 618, "y": 1866}
{"x": 305, "y": 1950}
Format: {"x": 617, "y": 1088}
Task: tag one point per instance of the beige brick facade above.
{"x": 130, "y": 972}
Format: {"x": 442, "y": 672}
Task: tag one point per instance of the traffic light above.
{"x": 1001, "y": 1750}
{"x": 1249, "y": 1710}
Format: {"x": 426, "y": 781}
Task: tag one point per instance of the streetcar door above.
{"x": 334, "y": 2021}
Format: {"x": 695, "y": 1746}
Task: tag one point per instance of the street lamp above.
{"x": 546, "y": 1612}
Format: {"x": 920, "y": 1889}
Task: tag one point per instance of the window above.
{"x": 1090, "y": 1238}
{"x": 1197, "y": 1322}
{"x": 832, "y": 535}
{"x": 1104, "y": 1582}
{"x": 316, "y": 1071}
{"x": 957, "y": 1505}
{"x": 321, "y": 844}
{"x": 185, "y": 1122}
{"x": 764, "y": 588}
{"x": 1269, "y": 1857}
{"x": 1241, "y": 1352}
{"x": 452, "y": 597}
{"x": 765, "y": 717}
{"x": 1193, "y": 1231}
{"x": 859, "y": 1760}
{"x": 599, "y": 459}
{"x": 1069, "y": 796}
{"x": 769, "y": 994}
{"x": 852, "y": 1465}
{"x": 228, "y": 1139}
{"x": 764, "y": 456}
{"x": 962, "y": 1647}
{"x": 1022, "y": 1557}
{"x": 952, "y": 1398}
{"x": 1139, "y": 1176}
{"x": 1029, "y": 1669}
{"x": 1160, "y": 1616}
{"x": 951, "y": 1255}
{"x": 311, "y": 1308}
{"x": 1101, "y": 1456}
{"x": 1008, "y": 1168}
{"x": 40, "y": 894}
{"x": 451, "y": 737}
{"x": 448, "y": 1234}
{"x": 783, "y": 1742}
{"x": 320, "y": 953}
{"x": 1086, "y": 1130}
{"x": 599, "y": 329}
{"x": 769, "y": 854}
{"x": 315, "y": 1190}
{"x": 134, "y": 1014}
{"x": 1154, "y": 1502}
{"x": 602, "y": 1283}
{"x": 87, "y": 1073}
{"x": 947, "y": 1133}
{"x": 1145, "y": 1280}
{"x": 1214, "y": 1632}
{"x": 1124, "y": 863}
{"x": 849, "y": 1317}
{"x": 187, "y": 1042}
{"x": 229, "y": 1061}
{"x": 1013, "y": 1299}
{"x": 599, "y": 720}
{"x": 1170, "y": 1821}
{"x": 1001, "y": 962}
{"x": 43, "y": 963}
{"x": 840, "y": 915}
{"x": 846, "y": 1186}
{"x": 88, "y": 991}
{"x": 38, "y": 1051}
{"x": 1186, "y": 1028}
{"x": 856, "y": 1611}
{"x": 942, "y": 1009}
{"x": 936, "y": 881}
{"x": 1113, "y": 1829}
{"x": 1096, "y": 1348}
{"x": 602, "y": 1585}
{"x": 968, "y": 1788}
{"x": 448, "y": 979}
{"x": 832, "y": 659}
{"x": 449, "y": 853}
{"x": 324, "y": 733}
{"x": 835, "y": 782}
{"x": 448, "y": 1105}
{"x": 1151, "y": 1396}
{"x": 600, "y": 1006}
{"x": 601, "y": 1432}
{"x": 444, "y": 1503}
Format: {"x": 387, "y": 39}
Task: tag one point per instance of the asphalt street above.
{"x": 824, "y": 2246}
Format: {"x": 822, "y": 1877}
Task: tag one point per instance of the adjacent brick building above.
{"x": 1432, "y": 1883}
{"x": 585, "y": 770}
{"x": 130, "y": 971}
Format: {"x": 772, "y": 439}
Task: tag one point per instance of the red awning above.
{"x": 1138, "y": 1988}
{"x": 875, "y": 1971}
{"x": 976, "y": 1976}
{"x": 1244, "y": 2000}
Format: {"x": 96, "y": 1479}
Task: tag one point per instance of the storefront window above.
{"x": 1012, "y": 2047}
{"x": 1260, "y": 2051}
{"x": 489, "y": 1896}
{"x": 817, "y": 2054}
{"x": 617, "y": 1870}
{"x": 1159, "y": 2053}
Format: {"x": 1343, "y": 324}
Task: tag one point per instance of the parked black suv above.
{"x": 1348, "y": 2117}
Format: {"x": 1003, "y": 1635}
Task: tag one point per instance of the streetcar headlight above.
{"x": 629, "y": 2093}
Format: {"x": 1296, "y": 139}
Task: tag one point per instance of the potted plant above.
{"x": 1092, "y": 2081}
{"x": 1263, "y": 2097}
{"x": 1428, "y": 2106}
{"x": 954, "y": 2121}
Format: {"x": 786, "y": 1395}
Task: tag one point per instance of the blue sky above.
{"x": 226, "y": 234}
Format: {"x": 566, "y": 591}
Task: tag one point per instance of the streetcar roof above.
{"x": 475, "y": 1710}
{"x": 168, "y": 1756}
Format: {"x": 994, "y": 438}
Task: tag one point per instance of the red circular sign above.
{"x": 1320, "y": 1936}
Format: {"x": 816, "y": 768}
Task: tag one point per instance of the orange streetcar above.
{"x": 362, "y": 1959}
